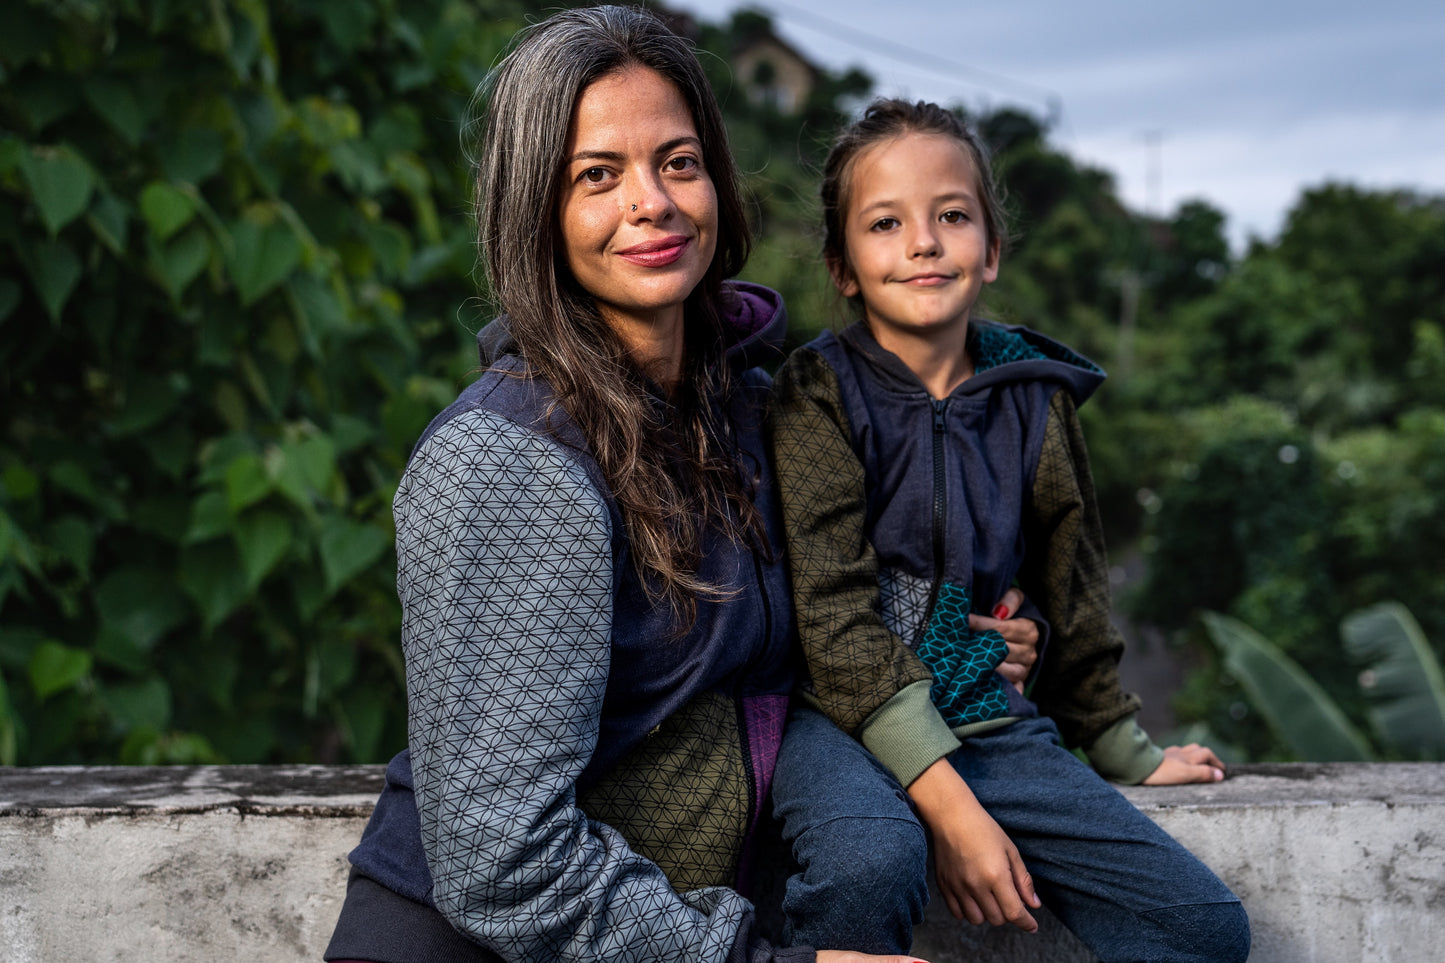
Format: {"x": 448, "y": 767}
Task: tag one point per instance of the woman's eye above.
{"x": 683, "y": 163}
{"x": 594, "y": 175}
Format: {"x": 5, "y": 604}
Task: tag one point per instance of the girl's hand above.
{"x": 980, "y": 873}
{"x": 848, "y": 956}
{"x": 1191, "y": 763}
{"x": 1022, "y": 636}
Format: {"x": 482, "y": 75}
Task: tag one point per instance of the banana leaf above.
{"x": 1402, "y": 678}
{"x": 1293, "y": 704}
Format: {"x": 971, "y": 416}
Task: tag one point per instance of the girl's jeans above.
{"x": 1122, "y": 885}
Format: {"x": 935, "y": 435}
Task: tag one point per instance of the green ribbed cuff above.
{"x": 1124, "y": 753}
{"x": 907, "y": 734}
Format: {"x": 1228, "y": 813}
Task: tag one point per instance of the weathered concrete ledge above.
{"x": 1334, "y": 863}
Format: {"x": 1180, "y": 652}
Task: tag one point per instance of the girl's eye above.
{"x": 884, "y": 224}
{"x": 953, "y": 217}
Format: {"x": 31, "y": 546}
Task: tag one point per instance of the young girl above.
{"x": 927, "y": 461}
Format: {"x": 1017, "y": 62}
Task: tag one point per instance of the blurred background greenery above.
{"x": 238, "y": 280}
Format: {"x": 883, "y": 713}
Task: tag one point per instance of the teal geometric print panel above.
{"x": 991, "y": 347}
{"x": 966, "y": 688}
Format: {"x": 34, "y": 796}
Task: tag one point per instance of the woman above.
{"x": 596, "y": 623}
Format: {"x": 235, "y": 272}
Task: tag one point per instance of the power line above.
{"x": 920, "y": 59}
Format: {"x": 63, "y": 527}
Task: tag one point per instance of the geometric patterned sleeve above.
{"x": 864, "y": 677}
{"x": 1066, "y": 574}
{"x": 505, "y": 576}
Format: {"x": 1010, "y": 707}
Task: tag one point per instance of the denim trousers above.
{"x": 1123, "y": 886}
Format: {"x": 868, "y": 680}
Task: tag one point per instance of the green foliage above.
{"x": 1403, "y": 679}
{"x": 1336, "y": 330}
{"x": 237, "y": 281}
{"x": 1293, "y": 704}
{"x": 234, "y": 250}
{"x": 1401, "y": 676}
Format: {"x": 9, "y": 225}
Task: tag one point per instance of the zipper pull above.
{"x": 938, "y": 409}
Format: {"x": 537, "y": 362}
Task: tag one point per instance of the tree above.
{"x": 229, "y": 297}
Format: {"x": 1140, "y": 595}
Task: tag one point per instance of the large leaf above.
{"x": 266, "y": 250}
{"x": 140, "y": 604}
{"x": 1295, "y": 706}
{"x": 138, "y": 705}
{"x": 55, "y": 667}
{"x": 347, "y": 548}
{"x": 60, "y": 183}
{"x": 179, "y": 260}
{"x": 166, "y": 208}
{"x": 212, "y": 576}
{"x": 116, "y": 101}
{"x": 262, "y": 538}
{"x": 1403, "y": 678}
{"x": 55, "y": 270}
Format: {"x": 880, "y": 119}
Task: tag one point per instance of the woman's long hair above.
{"x": 671, "y": 466}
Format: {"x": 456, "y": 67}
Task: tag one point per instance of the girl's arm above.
{"x": 865, "y": 678}
{"x": 505, "y": 575}
{"x": 1066, "y": 574}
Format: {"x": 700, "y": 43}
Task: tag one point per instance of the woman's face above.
{"x": 638, "y": 211}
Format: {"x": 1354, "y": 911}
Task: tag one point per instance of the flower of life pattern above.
{"x": 505, "y": 575}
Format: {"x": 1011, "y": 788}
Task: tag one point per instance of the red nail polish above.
{"x": 1000, "y": 612}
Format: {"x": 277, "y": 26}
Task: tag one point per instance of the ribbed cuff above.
{"x": 1124, "y": 753}
{"x": 907, "y": 734}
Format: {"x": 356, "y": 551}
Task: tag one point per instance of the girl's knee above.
{"x": 866, "y": 853}
{"x": 1207, "y": 932}
{"x": 863, "y": 887}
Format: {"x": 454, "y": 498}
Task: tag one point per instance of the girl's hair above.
{"x": 884, "y": 120}
{"x": 673, "y": 472}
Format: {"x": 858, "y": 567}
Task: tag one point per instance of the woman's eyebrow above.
{"x": 613, "y": 155}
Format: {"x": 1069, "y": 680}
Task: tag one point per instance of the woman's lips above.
{"x": 658, "y": 253}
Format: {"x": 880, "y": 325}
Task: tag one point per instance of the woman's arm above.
{"x": 505, "y": 574}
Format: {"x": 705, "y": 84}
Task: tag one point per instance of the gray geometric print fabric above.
{"x": 903, "y": 599}
{"x": 504, "y": 568}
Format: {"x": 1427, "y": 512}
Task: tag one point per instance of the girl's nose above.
{"x": 923, "y": 243}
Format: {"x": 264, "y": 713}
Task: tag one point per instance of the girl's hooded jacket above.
{"x": 905, "y": 513}
{"x": 579, "y": 783}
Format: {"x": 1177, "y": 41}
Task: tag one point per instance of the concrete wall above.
{"x": 1333, "y": 862}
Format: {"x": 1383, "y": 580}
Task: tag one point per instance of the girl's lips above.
{"x": 928, "y": 280}
{"x": 658, "y": 253}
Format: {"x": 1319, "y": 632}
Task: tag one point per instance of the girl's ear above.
{"x": 842, "y": 277}
{"x": 990, "y": 265}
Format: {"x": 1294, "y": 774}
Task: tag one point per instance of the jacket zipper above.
{"x": 744, "y": 732}
{"x": 940, "y": 508}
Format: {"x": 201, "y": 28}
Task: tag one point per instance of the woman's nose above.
{"x": 650, "y": 200}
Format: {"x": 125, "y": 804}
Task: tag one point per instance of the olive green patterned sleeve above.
{"x": 1066, "y": 573}
{"x": 864, "y": 677}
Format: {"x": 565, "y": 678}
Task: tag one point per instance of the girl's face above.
{"x": 638, "y": 212}
{"x": 915, "y": 246}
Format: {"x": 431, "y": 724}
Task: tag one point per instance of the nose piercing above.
{"x": 634, "y": 207}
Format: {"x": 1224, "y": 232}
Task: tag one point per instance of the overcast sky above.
{"x": 1241, "y": 102}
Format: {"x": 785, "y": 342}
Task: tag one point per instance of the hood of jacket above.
{"x": 1001, "y": 354}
